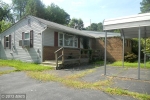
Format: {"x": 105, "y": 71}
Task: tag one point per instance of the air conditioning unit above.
{"x": 24, "y": 42}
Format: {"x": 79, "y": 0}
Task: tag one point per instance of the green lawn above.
{"x": 127, "y": 64}
{"x": 23, "y": 66}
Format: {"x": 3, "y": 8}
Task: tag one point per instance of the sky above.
{"x": 96, "y": 10}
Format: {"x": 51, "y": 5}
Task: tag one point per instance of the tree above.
{"x": 35, "y": 8}
{"x": 19, "y": 7}
{"x": 100, "y": 27}
{"x": 145, "y": 6}
{"x": 5, "y": 12}
{"x": 56, "y": 14}
{"x": 4, "y": 25}
{"x": 95, "y": 27}
{"x": 76, "y": 23}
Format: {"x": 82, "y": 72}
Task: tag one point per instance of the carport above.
{"x": 136, "y": 26}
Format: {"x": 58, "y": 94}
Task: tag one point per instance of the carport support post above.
{"x": 145, "y": 54}
{"x": 105, "y": 53}
{"x": 123, "y": 37}
{"x": 139, "y": 53}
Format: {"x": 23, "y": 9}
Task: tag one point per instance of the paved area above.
{"x": 70, "y": 70}
{"x": 18, "y": 82}
{"x": 125, "y": 78}
{"x": 6, "y": 68}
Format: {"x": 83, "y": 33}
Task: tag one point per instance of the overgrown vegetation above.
{"x": 23, "y": 66}
{"x": 130, "y": 57}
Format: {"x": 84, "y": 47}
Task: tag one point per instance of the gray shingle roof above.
{"x": 62, "y": 28}
{"x": 97, "y": 34}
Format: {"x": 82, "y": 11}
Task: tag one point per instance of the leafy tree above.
{"x": 19, "y": 7}
{"x": 100, "y": 27}
{"x": 76, "y": 23}
{"x": 5, "y": 11}
{"x": 4, "y": 25}
{"x": 56, "y": 14}
{"x": 95, "y": 27}
{"x": 145, "y": 6}
{"x": 35, "y": 8}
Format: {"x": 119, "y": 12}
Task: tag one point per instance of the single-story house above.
{"x": 33, "y": 39}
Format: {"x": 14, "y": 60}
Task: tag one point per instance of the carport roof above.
{"x": 129, "y": 25}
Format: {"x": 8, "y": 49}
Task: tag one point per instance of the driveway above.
{"x": 20, "y": 83}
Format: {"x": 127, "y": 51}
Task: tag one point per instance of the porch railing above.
{"x": 73, "y": 55}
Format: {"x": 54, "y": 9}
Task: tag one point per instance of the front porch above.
{"x": 62, "y": 57}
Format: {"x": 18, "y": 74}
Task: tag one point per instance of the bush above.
{"x": 130, "y": 57}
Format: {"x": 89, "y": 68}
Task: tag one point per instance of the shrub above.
{"x": 130, "y": 57}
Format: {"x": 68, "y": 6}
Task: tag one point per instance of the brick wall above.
{"x": 48, "y": 52}
{"x": 114, "y": 48}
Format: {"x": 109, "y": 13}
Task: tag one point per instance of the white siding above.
{"x": 48, "y": 37}
{"x": 19, "y": 53}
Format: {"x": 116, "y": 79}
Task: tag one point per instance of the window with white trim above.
{"x": 26, "y": 36}
{"x": 68, "y": 40}
{"x": 7, "y": 41}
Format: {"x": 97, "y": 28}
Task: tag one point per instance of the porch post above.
{"x": 105, "y": 53}
{"x": 139, "y": 52}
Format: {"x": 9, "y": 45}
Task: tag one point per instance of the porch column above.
{"x": 139, "y": 52}
{"x": 105, "y": 53}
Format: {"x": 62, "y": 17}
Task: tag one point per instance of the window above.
{"x": 67, "y": 40}
{"x": 60, "y": 39}
{"x": 26, "y": 36}
{"x": 7, "y": 41}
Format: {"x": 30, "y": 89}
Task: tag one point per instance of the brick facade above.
{"x": 114, "y": 47}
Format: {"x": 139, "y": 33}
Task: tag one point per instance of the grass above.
{"x": 119, "y": 91}
{"x": 82, "y": 74}
{"x": 68, "y": 82}
{"x": 100, "y": 85}
{"x": 127, "y": 64}
{"x": 23, "y": 66}
{"x": 6, "y": 72}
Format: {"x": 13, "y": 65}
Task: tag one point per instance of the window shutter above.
{"x": 31, "y": 39}
{"x": 78, "y": 41}
{"x": 9, "y": 41}
{"x": 4, "y": 42}
{"x": 56, "y": 39}
{"x": 22, "y": 38}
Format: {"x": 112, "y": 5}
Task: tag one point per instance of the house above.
{"x": 33, "y": 39}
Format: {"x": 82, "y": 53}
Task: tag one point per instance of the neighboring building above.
{"x": 35, "y": 40}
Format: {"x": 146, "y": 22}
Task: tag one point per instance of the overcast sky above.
{"x": 96, "y": 10}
